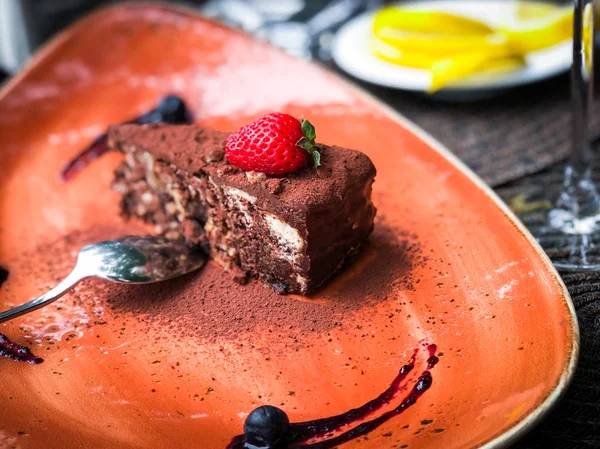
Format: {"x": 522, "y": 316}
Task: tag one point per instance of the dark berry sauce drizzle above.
{"x": 8, "y": 348}
{"x": 171, "y": 109}
{"x": 17, "y": 352}
{"x": 3, "y": 275}
{"x": 300, "y": 433}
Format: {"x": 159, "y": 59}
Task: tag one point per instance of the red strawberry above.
{"x": 275, "y": 144}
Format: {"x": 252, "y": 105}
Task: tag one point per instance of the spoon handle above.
{"x": 67, "y": 283}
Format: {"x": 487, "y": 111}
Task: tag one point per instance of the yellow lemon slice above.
{"x": 441, "y": 44}
{"x": 432, "y": 32}
{"x": 449, "y": 71}
{"x": 540, "y": 32}
{"x": 535, "y": 10}
{"x": 415, "y": 60}
{"x": 428, "y": 22}
{"x": 588, "y": 36}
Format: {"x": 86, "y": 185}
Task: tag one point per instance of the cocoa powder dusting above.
{"x": 392, "y": 256}
{"x": 209, "y": 304}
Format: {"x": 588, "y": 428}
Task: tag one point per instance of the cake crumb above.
{"x": 255, "y": 177}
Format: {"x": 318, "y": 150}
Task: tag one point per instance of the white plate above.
{"x": 351, "y": 52}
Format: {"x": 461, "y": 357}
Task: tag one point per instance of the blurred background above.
{"x": 302, "y": 27}
{"x": 481, "y": 95}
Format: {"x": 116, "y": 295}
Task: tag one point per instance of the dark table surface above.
{"x": 517, "y": 143}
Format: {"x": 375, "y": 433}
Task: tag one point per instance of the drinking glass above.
{"x": 570, "y": 230}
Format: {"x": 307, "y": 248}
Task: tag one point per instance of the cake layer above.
{"x": 292, "y": 232}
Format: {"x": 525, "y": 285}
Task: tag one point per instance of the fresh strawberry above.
{"x": 275, "y": 144}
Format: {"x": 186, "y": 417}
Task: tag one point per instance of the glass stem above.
{"x": 579, "y": 195}
{"x": 582, "y": 86}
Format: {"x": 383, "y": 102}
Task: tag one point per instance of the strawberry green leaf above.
{"x": 308, "y": 142}
{"x": 305, "y": 143}
{"x": 308, "y": 130}
{"x": 316, "y": 158}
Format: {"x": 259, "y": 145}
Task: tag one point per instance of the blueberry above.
{"x": 173, "y": 110}
{"x": 266, "y": 427}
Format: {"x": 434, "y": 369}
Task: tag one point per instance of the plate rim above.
{"x": 499, "y": 84}
{"x": 527, "y": 422}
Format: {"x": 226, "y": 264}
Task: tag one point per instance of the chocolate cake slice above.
{"x": 292, "y": 232}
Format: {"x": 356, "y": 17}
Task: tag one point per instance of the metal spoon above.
{"x": 129, "y": 260}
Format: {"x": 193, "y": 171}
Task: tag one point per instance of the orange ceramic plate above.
{"x": 447, "y": 265}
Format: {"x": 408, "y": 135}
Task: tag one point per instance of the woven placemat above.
{"x": 502, "y": 138}
{"x": 575, "y": 422}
